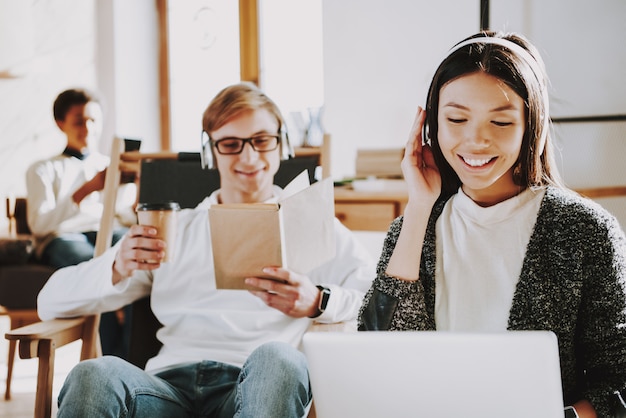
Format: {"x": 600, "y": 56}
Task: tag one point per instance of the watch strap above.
{"x": 323, "y": 303}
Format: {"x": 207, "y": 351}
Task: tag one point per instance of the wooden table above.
{"x": 368, "y": 211}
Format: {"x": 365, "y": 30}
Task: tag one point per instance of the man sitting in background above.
{"x": 65, "y": 199}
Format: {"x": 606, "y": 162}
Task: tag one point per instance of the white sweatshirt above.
{"x": 199, "y": 321}
{"x": 51, "y": 209}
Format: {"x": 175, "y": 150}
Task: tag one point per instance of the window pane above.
{"x": 291, "y": 57}
{"x": 204, "y": 58}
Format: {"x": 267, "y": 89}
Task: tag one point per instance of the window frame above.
{"x": 248, "y": 53}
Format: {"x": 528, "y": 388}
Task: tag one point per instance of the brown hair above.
{"x": 69, "y": 98}
{"x": 233, "y": 100}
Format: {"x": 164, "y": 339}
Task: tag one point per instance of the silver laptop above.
{"x": 434, "y": 374}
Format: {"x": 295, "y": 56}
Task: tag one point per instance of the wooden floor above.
{"x": 22, "y": 403}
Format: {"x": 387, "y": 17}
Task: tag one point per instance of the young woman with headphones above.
{"x": 490, "y": 239}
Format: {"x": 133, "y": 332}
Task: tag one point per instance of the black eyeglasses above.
{"x": 234, "y": 146}
{"x": 259, "y": 143}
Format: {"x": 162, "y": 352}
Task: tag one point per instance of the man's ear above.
{"x": 61, "y": 124}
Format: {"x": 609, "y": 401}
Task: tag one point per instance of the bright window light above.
{"x": 204, "y": 58}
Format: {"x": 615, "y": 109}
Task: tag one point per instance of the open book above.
{"x": 296, "y": 233}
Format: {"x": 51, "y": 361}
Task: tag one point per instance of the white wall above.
{"x": 379, "y": 56}
{"x": 61, "y": 55}
{"x": 582, "y": 44}
{"x": 110, "y": 46}
{"x": 127, "y": 65}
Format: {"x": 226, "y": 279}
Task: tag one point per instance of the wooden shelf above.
{"x": 374, "y": 211}
{"x": 368, "y": 211}
{"x": 614, "y": 191}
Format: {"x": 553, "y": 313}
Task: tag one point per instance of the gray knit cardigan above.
{"x": 573, "y": 282}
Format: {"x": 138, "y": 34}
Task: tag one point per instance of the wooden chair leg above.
{"x": 43, "y": 397}
{"x": 40, "y": 340}
{"x": 12, "y": 347}
{"x": 18, "y": 319}
{"x": 91, "y": 347}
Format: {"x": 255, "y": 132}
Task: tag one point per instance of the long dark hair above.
{"x": 535, "y": 166}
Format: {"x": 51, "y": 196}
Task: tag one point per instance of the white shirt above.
{"x": 480, "y": 251}
{"x": 199, "y": 321}
{"x": 51, "y": 184}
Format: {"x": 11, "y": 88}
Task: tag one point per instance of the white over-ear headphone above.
{"x": 207, "y": 158}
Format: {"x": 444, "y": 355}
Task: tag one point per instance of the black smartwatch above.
{"x": 570, "y": 412}
{"x": 324, "y": 296}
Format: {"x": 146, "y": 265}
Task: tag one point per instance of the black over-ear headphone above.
{"x": 207, "y": 158}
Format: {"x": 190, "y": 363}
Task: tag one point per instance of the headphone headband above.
{"x": 528, "y": 59}
{"x": 519, "y": 50}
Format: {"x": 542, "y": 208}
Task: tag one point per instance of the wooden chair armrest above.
{"x": 59, "y": 331}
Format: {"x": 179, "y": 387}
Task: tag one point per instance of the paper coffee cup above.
{"x": 163, "y": 217}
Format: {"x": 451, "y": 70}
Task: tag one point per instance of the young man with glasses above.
{"x": 225, "y": 353}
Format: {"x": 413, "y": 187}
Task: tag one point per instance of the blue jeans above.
{"x": 73, "y": 248}
{"x": 70, "y": 249}
{"x": 273, "y": 383}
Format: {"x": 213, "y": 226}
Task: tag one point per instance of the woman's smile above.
{"x": 477, "y": 162}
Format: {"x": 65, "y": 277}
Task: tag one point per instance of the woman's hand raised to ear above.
{"x": 424, "y": 186}
{"x": 418, "y": 167}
